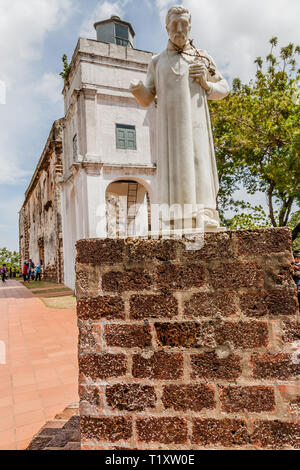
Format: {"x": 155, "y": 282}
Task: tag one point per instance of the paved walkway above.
{"x": 39, "y": 378}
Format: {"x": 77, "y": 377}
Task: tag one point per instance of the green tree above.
{"x": 257, "y": 139}
{"x": 248, "y": 217}
{"x": 10, "y": 258}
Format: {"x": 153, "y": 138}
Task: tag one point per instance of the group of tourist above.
{"x": 32, "y": 272}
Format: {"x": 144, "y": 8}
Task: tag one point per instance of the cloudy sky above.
{"x": 34, "y": 34}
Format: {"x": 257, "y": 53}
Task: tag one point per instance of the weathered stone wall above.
{"x": 189, "y": 349}
{"x": 40, "y": 225}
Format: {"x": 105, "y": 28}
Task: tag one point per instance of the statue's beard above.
{"x": 179, "y": 39}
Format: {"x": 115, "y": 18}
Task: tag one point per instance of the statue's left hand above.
{"x": 199, "y": 73}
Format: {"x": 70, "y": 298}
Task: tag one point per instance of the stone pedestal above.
{"x": 189, "y": 349}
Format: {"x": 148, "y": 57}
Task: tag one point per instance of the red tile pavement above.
{"x": 39, "y": 378}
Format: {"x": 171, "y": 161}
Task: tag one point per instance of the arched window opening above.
{"x": 128, "y": 212}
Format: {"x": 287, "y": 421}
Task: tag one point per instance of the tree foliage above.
{"x": 10, "y": 258}
{"x": 248, "y": 217}
{"x": 257, "y": 139}
{"x": 67, "y": 69}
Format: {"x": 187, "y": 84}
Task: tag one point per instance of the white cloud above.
{"x": 11, "y": 172}
{"x": 163, "y": 6}
{"x": 24, "y": 26}
{"x": 103, "y": 11}
{"x": 50, "y": 87}
{"x": 235, "y": 32}
{"x": 9, "y": 222}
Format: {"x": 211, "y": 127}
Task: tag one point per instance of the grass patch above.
{"x": 66, "y": 302}
{"x": 42, "y": 284}
{"x": 50, "y": 291}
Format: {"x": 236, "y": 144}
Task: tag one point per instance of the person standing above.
{"x": 38, "y": 271}
{"x": 3, "y": 272}
{"x": 30, "y": 273}
{"x": 25, "y": 271}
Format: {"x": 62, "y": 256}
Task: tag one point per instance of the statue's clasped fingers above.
{"x": 196, "y": 70}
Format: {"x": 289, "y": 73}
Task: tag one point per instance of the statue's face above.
{"x": 179, "y": 28}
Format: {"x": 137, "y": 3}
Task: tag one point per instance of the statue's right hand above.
{"x": 135, "y": 84}
{"x": 141, "y": 93}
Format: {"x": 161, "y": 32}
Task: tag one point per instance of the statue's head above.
{"x": 178, "y": 25}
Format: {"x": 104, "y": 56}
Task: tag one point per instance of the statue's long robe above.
{"x": 187, "y": 172}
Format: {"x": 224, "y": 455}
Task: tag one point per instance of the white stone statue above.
{"x": 183, "y": 79}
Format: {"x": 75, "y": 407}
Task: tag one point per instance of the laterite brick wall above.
{"x": 189, "y": 349}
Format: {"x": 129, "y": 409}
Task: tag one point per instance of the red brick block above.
{"x": 209, "y": 366}
{"x": 127, "y": 336}
{"x": 291, "y": 331}
{"x": 261, "y": 241}
{"x": 278, "y": 272}
{"x": 148, "y": 250}
{"x": 82, "y": 281}
{"x": 181, "y": 334}
{"x": 242, "y": 334}
{"x": 97, "y": 251}
{"x": 275, "y": 302}
{"x": 100, "y": 307}
{"x": 290, "y": 397}
{"x": 208, "y": 304}
{"x": 275, "y": 366}
{"x": 210, "y": 334}
{"x": 276, "y": 435}
{"x": 236, "y": 275}
{"x": 173, "y": 277}
{"x": 90, "y": 393}
{"x": 158, "y": 366}
{"x": 102, "y": 366}
{"x": 294, "y": 406}
{"x": 162, "y": 430}
{"x": 153, "y": 306}
{"x": 216, "y": 245}
{"x": 105, "y": 428}
{"x": 89, "y": 338}
{"x": 216, "y": 432}
{"x": 134, "y": 280}
{"x": 252, "y": 399}
{"x": 130, "y": 397}
{"x": 188, "y": 397}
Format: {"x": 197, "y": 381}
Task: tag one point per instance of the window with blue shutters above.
{"x": 125, "y": 137}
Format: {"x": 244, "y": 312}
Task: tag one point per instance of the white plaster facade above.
{"x": 97, "y": 98}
